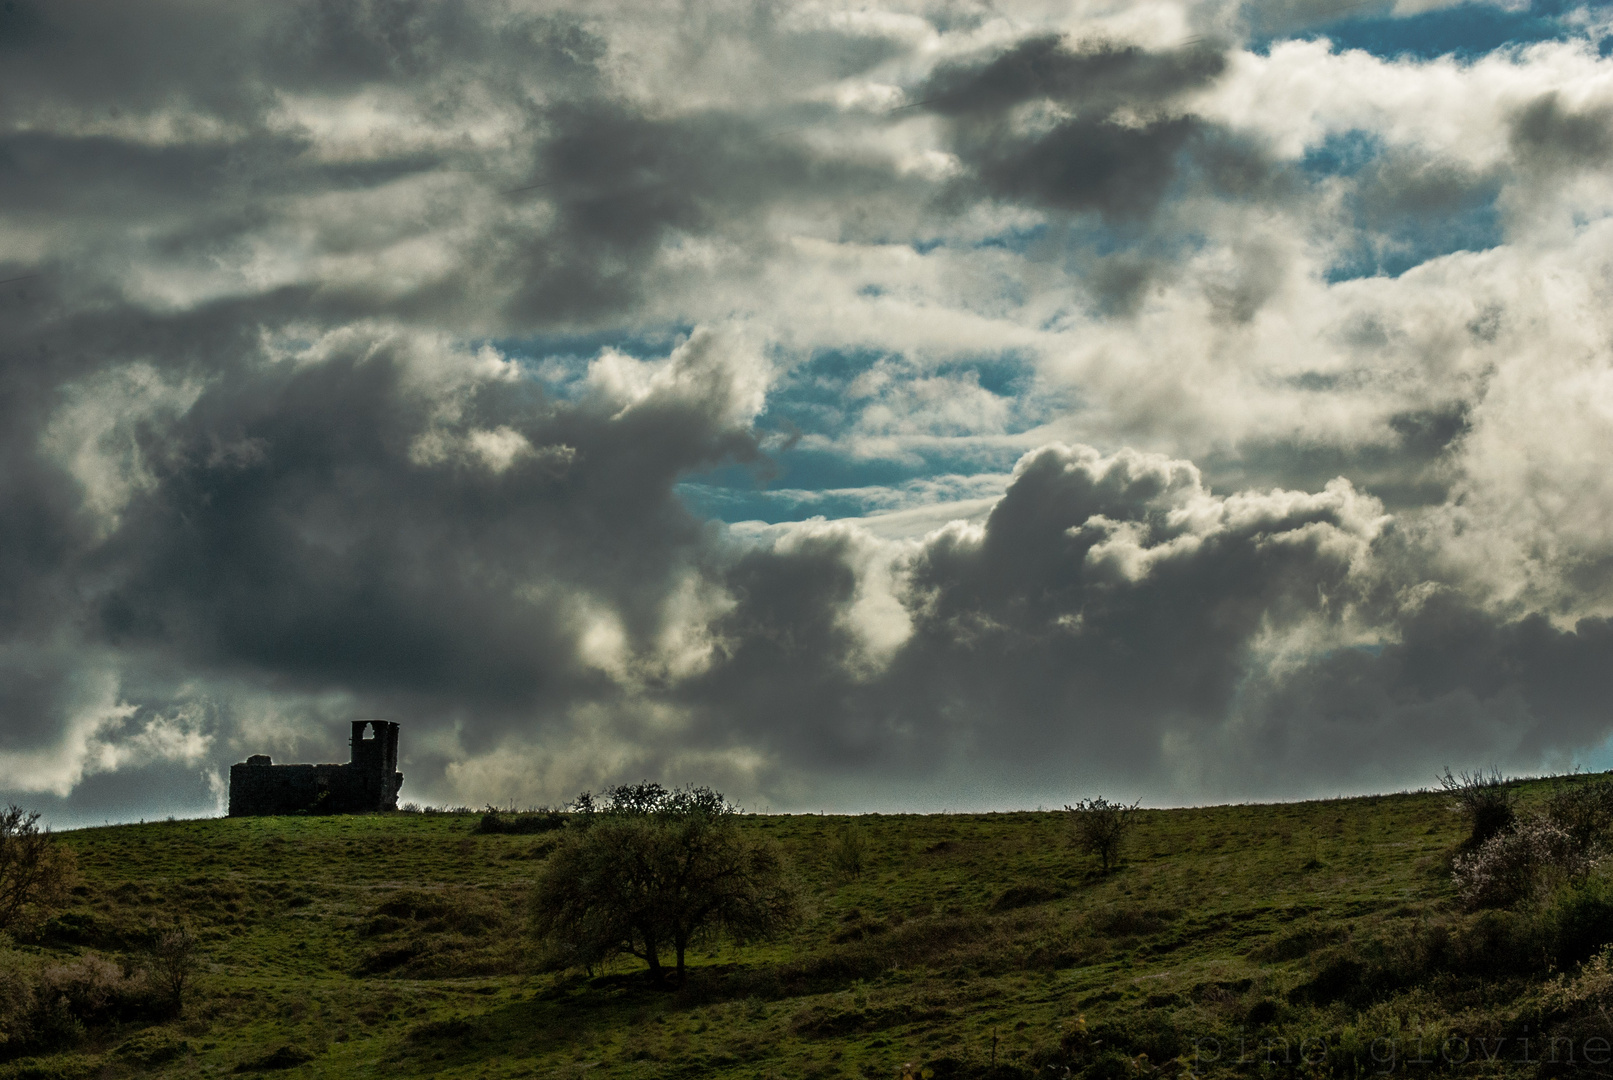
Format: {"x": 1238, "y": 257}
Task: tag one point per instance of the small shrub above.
{"x": 1098, "y": 827}
{"x": 493, "y": 822}
{"x": 1019, "y": 896}
{"x": 288, "y": 1056}
{"x": 16, "y": 1008}
{"x": 50, "y": 1008}
{"x": 849, "y": 853}
{"x": 1484, "y": 801}
{"x": 1591, "y": 988}
{"x": 1296, "y": 944}
{"x": 452, "y": 1029}
{"x": 1576, "y": 1008}
{"x": 1111, "y": 1065}
{"x": 151, "y": 1048}
{"x": 1342, "y": 976}
{"x": 1127, "y": 921}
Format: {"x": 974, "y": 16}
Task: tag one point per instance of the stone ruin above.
{"x": 367, "y": 783}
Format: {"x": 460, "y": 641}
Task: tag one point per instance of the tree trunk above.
{"x": 680, "y": 945}
{"x": 652, "y": 957}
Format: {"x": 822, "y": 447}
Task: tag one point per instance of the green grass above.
{"x": 393, "y": 946}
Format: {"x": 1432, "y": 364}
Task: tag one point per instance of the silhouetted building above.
{"x": 368, "y": 782}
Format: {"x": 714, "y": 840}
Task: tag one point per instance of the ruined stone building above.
{"x": 368, "y": 782}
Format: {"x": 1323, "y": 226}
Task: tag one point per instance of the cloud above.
{"x": 834, "y": 403}
{"x": 1098, "y": 78}
{"x": 1545, "y": 134}
{"x": 97, "y": 435}
{"x": 1112, "y": 136}
{"x": 1104, "y": 602}
{"x": 83, "y": 726}
{"x": 1459, "y": 684}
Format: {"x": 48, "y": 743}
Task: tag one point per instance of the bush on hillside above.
{"x": 1584, "y": 811}
{"x": 520, "y": 824}
{"x": 1484, "y": 801}
{"x": 1579, "y": 921}
{"x": 1098, "y": 827}
{"x": 50, "y": 1007}
{"x": 35, "y": 871}
{"x": 1531, "y": 860}
{"x": 849, "y": 853}
{"x": 1413, "y": 952}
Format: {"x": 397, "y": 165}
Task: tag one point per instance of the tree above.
{"x": 1099, "y": 827}
{"x": 173, "y": 964}
{"x": 656, "y": 870}
{"x": 35, "y": 871}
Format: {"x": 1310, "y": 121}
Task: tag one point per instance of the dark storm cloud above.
{"x": 230, "y": 64}
{"x": 622, "y": 182}
{"x": 1096, "y": 79}
{"x": 1272, "y": 18}
{"x": 50, "y": 338}
{"x": 315, "y": 547}
{"x": 1090, "y": 630}
{"x": 186, "y": 506}
{"x": 287, "y": 535}
{"x": 1407, "y": 468}
{"x": 1408, "y": 206}
{"x": 1547, "y": 134}
{"x": 782, "y": 672}
{"x": 1459, "y": 682}
{"x": 1088, "y": 616}
{"x": 1088, "y": 158}
{"x": 150, "y": 793}
{"x": 113, "y": 179}
{"x": 35, "y": 692}
{"x": 1120, "y": 283}
{"x": 1086, "y": 164}
{"x": 1399, "y": 187}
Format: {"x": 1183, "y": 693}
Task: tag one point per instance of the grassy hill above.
{"x": 1310, "y": 939}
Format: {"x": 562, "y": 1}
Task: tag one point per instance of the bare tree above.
{"x": 1098, "y": 827}
{"x": 173, "y": 964}
{"x": 654, "y": 871}
{"x": 35, "y": 871}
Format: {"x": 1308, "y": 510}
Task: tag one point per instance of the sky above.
{"x": 850, "y": 406}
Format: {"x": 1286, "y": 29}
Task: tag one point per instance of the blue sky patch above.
{"x": 1406, "y": 210}
{"x": 1342, "y": 153}
{"x": 1466, "y": 31}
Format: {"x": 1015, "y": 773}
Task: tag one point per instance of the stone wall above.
{"x": 368, "y": 782}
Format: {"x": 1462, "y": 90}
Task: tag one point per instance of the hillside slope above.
{"x": 1311, "y": 938}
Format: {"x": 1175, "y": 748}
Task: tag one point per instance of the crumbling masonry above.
{"x": 368, "y": 782}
